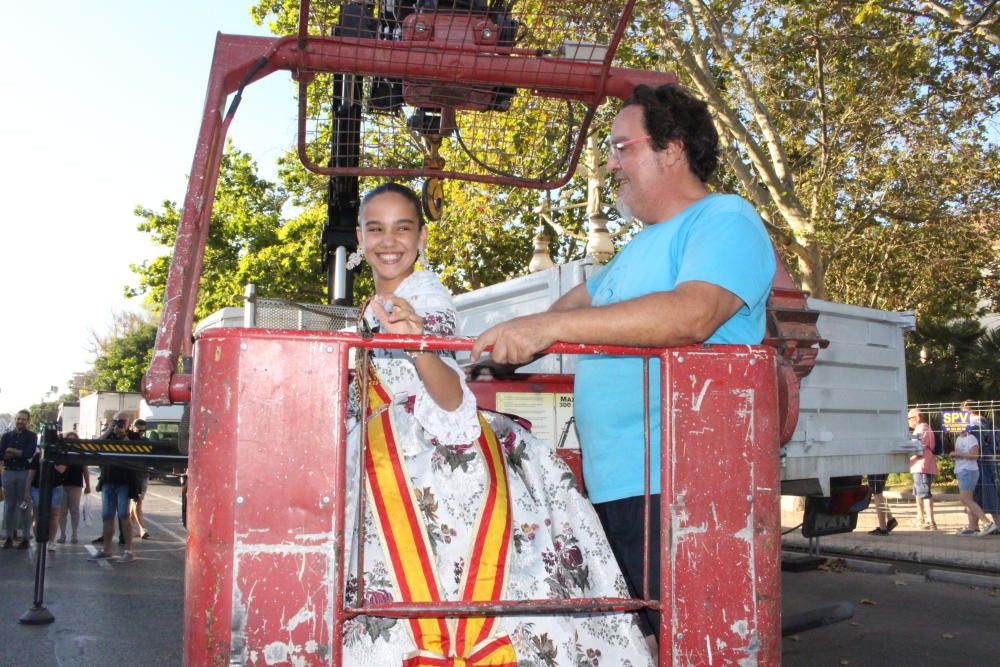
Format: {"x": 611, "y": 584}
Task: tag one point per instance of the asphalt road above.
{"x": 105, "y": 613}
{"x": 900, "y": 619}
{"x": 132, "y": 613}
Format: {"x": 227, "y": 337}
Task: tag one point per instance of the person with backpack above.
{"x": 923, "y": 467}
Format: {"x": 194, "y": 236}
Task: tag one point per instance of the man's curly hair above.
{"x": 670, "y": 112}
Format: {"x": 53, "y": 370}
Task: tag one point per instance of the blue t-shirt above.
{"x": 719, "y": 240}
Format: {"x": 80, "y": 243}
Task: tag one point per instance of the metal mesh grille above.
{"x": 444, "y": 110}
{"x": 273, "y": 314}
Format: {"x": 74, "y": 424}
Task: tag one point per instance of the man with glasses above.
{"x": 699, "y": 271}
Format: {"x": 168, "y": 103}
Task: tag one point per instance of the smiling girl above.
{"x": 460, "y": 504}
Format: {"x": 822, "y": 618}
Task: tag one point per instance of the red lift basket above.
{"x": 266, "y": 524}
{"x": 266, "y": 515}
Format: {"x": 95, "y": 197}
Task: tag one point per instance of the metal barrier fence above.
{"x": 985, "y": 430}
{"x": 945, "y": 544}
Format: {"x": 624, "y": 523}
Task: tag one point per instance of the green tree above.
{"x": 952, "y": 361}
{"x": 44, "y": 412}
{"x": 248, "y": 241}
{"x": 125, "y": 359}
{"x": 860, "y": 130}
{"x": 861, "y": 134}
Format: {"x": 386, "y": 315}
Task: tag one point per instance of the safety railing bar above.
{"x": 338, "y": 576}
{"x": 501, "y": 608}
{"x": 459, "y": 344}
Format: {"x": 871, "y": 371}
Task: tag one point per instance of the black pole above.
{"x": 38, "y": 614}
{"x": 343, "y": 194}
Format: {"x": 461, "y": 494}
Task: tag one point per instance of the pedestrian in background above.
{"x": 116, "y": 483}
{"x": 987, "y": 493}
{"x": 55, "y": 493}
{"x": 924, "y": 468}
{"x": 76, "y": 483}
{"x": 18, "y": 446}
{"x": 141, "y": 478}
{"x": 966, "y": 457}
{"x": 886, "y": 521}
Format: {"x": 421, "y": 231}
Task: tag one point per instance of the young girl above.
{"x": 459, "y": 507}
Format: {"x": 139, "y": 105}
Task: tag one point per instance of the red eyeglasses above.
{"x": 618, "y": 146}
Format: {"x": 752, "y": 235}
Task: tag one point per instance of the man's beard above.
{"x": 625, "y": 212}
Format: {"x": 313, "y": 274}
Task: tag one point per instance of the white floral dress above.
{"x": 559, "y": 549}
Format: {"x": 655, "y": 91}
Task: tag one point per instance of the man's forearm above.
{"x": 663, "y": 319}
{"x": 578, "y": 297}
{"x": 689, "y": 314}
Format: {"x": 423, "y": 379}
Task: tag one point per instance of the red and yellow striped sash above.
{"x": 440, "y": 642}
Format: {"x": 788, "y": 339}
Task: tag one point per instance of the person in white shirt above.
{"x": 966, "y": 457}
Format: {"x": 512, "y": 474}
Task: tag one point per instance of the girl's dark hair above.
{"x": 399, "y": 189}
{"x": 670, "y": 112}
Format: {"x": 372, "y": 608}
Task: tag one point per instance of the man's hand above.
{"x": 517, "y": 341}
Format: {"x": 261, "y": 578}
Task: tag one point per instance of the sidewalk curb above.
{"x": 907, "y": 496}
{"x": 931, "y": 574}
{"x": 892, "y": 551}
{"x": 855, "y": 564}
{"x": 965, "y": 578}
{"x": 869, "y": 567}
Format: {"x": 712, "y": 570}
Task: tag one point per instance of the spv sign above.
{"x": 955, "y": 421}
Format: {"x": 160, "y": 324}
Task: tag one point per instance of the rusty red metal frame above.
{"x": 240, "y": 60}
{"x": 488, "y": 65}
{"x": 718, "y": 404}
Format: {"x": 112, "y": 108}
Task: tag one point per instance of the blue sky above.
{"x": 100, "y": 112}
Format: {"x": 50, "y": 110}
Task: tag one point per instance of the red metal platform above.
{"x": 266, "y": 524}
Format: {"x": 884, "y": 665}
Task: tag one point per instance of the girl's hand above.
{"x": 397, "y": 315}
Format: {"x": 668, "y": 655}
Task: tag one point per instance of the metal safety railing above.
{"x": 243, "y": 546}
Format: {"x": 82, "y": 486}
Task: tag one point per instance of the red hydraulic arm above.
{"x": 240, "y": 60}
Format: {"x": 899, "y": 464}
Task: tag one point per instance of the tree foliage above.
{"x": 125, "y": 358}
{"x": 863, "y": 131}
{"x": 953, "y": 361}
{"x": 249, "y": 241}
{"x": 43, "y": 412}
{"x": 859, "y": 131}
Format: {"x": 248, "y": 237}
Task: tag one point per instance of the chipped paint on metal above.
{"x": 238, "y": 645}
{"x": 276, "y": 653}
{"x": 303, "y": 615}
{"x": 752, "y": 651}
{"x": 678, "y": 522}
{"x": 283, "y": 548}
{"x": 696, "y": 404}
{"x": 742, "y": 628}
{"x": 746, "y": 412}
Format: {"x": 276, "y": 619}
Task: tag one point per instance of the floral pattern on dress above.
{"x": 378, "y": 590}
{"x": 568, "y": 574}
{"x": 558, "y": 546}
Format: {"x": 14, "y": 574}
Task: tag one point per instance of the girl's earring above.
{"x": 354, "y": 259}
